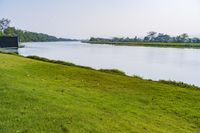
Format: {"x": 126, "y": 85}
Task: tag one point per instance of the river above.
{"x": 177, "y": 64}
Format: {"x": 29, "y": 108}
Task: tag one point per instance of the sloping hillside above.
{"x": 38, "y": 96}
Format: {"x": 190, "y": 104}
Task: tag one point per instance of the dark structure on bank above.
{"x": 6, "y": 41}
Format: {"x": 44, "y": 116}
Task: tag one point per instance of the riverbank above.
{"x": 148, "y": 44}
{"x": 38, "y": 95}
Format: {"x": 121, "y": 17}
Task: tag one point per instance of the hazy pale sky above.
{"x": 103, "y": 18}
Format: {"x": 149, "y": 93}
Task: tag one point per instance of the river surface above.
{"x": 149, "y": 62}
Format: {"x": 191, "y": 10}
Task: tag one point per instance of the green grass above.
{"x": 42, "y": 96}
{"x": 149, "y": 44}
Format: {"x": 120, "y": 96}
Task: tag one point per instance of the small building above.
{"x": 6, "y": 41}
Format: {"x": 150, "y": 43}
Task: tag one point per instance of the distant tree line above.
{"x": 26, "y": 36}
{"x": 152, "y": 37}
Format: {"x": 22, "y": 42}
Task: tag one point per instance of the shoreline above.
{"x": 149, "y": 44}
{"x": 109, "y": 71}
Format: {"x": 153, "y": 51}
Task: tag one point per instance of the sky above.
{"x": 82, "y": 19}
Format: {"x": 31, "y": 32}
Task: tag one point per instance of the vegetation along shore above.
{"x": 152, "y": 39}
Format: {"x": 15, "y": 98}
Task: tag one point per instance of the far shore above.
{"x": 148, "y": 44}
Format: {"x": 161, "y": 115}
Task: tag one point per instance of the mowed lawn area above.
{"x": 37, "y": 96}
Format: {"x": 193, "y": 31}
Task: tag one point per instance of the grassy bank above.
{"x": 51, "y": 96}
{"x": 149, "y": 44}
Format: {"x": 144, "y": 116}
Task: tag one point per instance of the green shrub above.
{"x": 113, "y": 71}
{"x": 138, "y": 77}
{"x": 180, "y": 84}
{"x": 57, "y": 62}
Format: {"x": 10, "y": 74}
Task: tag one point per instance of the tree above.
{"x": 195, "y": 40}
{"x": 162, "y": 38}
{"x": 150, "y": 36}
{"x": 4, "y": 24}
{"x": 146, "y": 39}
{"x": 10, "y": 31}
{"x": 184, "y": 37}
{"x": 136, "y": 39}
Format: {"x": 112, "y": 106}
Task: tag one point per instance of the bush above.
{"x": 113, "y": 71}
{"x": 179, "y": 84}
{"x": 57, "y": 62}
{"x": 138, "y": 77}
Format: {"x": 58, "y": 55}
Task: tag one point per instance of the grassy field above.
{"x": 149, "y": 44}
{"x": 38, "y": 96}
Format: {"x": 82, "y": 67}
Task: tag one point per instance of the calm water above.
{"x": 148, "y": 62}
